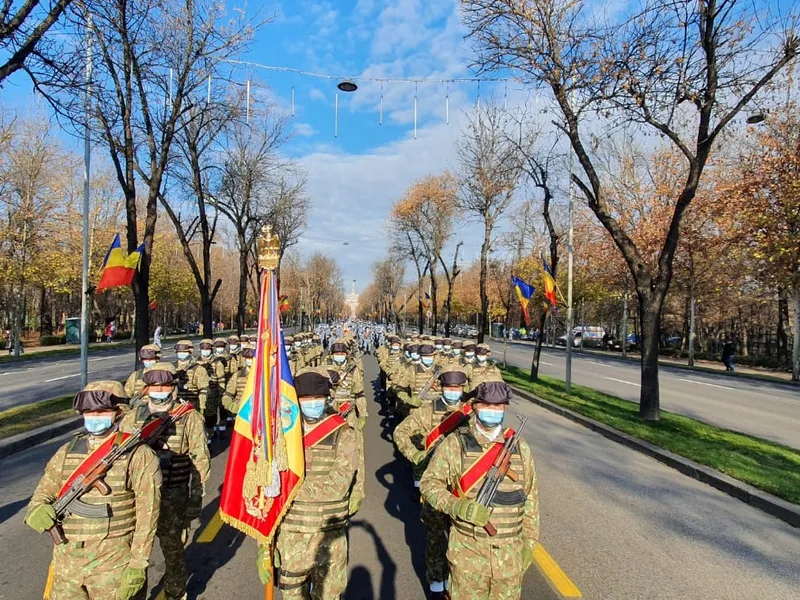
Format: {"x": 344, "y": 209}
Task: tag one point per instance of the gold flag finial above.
{"x": 268, "y": 249}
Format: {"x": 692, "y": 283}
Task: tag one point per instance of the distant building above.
{"x": 352, "y": 301}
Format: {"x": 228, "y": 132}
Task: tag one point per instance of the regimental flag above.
{"x": 119, "y": 269}
{"x": 549, "y": 284}
{"x": 266, "y": 463}
{"x": 154, "y": 305}
{"x": 524, "y": 293}
{"x": 284, "y": 304}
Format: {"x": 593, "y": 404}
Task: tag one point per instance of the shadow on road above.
{"x": 12, "y": 508}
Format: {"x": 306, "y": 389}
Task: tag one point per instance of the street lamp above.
{"x": 347, "y": 85}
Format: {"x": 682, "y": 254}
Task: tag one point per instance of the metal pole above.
{"x": 625, "y": 324}
{"x": 87, "y": 162}
{"x": 570, "y": 251}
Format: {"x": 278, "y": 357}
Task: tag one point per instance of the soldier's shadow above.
{"x": 359, "y": 584}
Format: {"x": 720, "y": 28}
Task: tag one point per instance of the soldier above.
{"x": 456, "y": 350}
{"x": 416, "y": 438}
{"x": 438, "y": 343}
{"x": 311, "y": 545}
{"x": 235, "y": 361}
{"x": 350, "y": 389}
{"x": 244, "y": 340}
{"x": 104, "y": 557}
{"x": 415, "y": 377}
{"x": 216, "y": 385}
{"x": 191, "y": 377}
{"x": 316, "y": 350}
{"x": 232, "y": 397}
{"x": 483, "y": 567}
{"x": 483, "y": 369}
{"x": 468, "y": 360}
{"x": 149, "y": 356}
{"x": 295, "y": 360}
{"x": 185, "y": 465}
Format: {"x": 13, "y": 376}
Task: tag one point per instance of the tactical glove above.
{"x": 362, "y": 423}
{"x": 266, "y": 564}
{"x": 471, "y": 512}
{"x": 355, "y": 504}
{"x": 418, "y": 456}
{"x": 131, "y": 582}
{"x": 414, "y": 401}
{"x": 42, "y": 518}
{"x": 527, "y": 557}
{"x": 194, "y": 507}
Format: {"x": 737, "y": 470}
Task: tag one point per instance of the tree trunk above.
{"x": 796, "y": 334}
{"x": 537, "y": 353}
{"x": 242, "y": 302}
{"x": 649, "y": 311}
{"x": 434, "y": 304}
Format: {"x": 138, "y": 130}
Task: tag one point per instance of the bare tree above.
{"x": 388, "y": 276}
{"x": 450, "y": 276}
{"x": 490, "y": 172}
{"x": 683, "y": 70}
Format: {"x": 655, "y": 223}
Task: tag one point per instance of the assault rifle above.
{"x": 423, "y": 393}
{"x": 498, "y": 471}
{"x": 70, "y": 503}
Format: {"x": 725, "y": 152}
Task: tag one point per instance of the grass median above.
{"x": 765, "y": 465}
{"x": 24, "y": 418}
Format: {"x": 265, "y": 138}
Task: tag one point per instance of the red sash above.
{"x": 323, "y": 430}
{"x": 480, "y": 467}
{"x": 447, "y": 425}
{"x": 99, "y": 453}
{"x": 345, "y": 406}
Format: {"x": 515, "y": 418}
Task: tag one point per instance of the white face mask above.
{"x": 205, "y": 353}
{"x": 183, "y": 355}
{"x": 220, "y": 351}
{"x": 234, "y": 347}
{"x": 248, "y": 362}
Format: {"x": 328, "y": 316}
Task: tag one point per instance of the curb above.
{"x": 29, "y": 439}
{"x": 781, "y": 509}
{"x": 669, "y": 365}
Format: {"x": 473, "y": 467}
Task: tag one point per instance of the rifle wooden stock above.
{"x": 57, "y": 533}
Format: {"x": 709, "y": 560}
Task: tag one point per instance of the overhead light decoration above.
{"x": 347, "y": 86}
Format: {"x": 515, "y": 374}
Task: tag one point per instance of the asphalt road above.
{"x": 621, "y": 526}
{"x": 760, "y": 408}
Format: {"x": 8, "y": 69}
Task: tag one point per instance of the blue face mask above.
{"x": 415, "y": 356}
{"x": 452, "y": 396}
{"x": 159, "y": 397}
{"x": 339, "y": 359}
{"x": 148, "y": 363}
{"x": 482, "y": 358}
{"x": 312, "y": 409}
{"x": 457, "y": 351}
{"x": 407, "y": 353}
{"x": 489, "y": 417}
{"x": 98, "y": 425}
{"x": 427, "y": 361}
{"x": 183, "y": 355}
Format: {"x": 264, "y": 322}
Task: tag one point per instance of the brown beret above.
{"x": 458, "y": 344}
{"x": 244, "y": 338}
{"x": 447, "y": 342}
{"x": 289, "y": 339}
{"x": 249, "y": 353}
{"x": 206, "y": 344}
{"x": 470, "y": 347}
{"x": 493, "y": 392}
{"x": 149, "y": 351}
{"x": 312, "y": 382}
{"x": 100, "y": 395}
{"x": 160, "y": 374}
{"x": 220, "y": 343}
{"x": 338, "y": 347}
{"x": 483, "y": 349}
{"x": 233, "y": 339}
{"x": 453, "y": 377}
{"x": 426, "y": 349}
{"x": 413, "y": 348}
{"x": 183, "y": 345}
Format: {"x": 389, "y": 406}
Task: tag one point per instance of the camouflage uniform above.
{"x": 478, "y": 374}
{"x": 192, "y": 379}
{"x": 232, "y": 397}
{"x": 296, "y": 362}
{"x": 134, "y": 383}
{"x": 185, "y": 465}
{"x": 410, "y": 438}
{"x": 410, "y": 383}
{"x": 351, "y": 389}
{"x": 483, "y": 567}
{"x": 91, "y": 563}
{"x": 215, "y": 368}
{"x": 312, "y": 539}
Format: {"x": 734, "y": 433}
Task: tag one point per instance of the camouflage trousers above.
{"x": 90, "y": 570}
{"x": 313, "y": 565}
{"x": 171, "y": 532}
{"x": 483, "y": 570}
{"x": 436, "y": 527}
{"x": 212, "y": 406}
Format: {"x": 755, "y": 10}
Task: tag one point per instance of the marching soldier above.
{"x": 419, "y": 374}
{"x": 244, "y": 340}
{"x": 149, "y": 355}
{"x": 350, "y": 389}
{"x": 235, "y": 361}
{"x": 104, "y": 557}
{"x": 483, "y": 369}
{"x": 484, "y": 566}
{"x": 311, "y": 544}
{"x": 215, "y": 367}
{"x": 468, "y": 360}
{"x": 416, "y": 438}
{"x": 316, "y": 350}
{"x": 191, "y": 377}
{"x": 295, "y": 358}
{"x": 232, "y": 397}
{"x": 185, "y": 465}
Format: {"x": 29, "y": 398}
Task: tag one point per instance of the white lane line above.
{"x": 594, "y": 362}
{"x": 709, "y": 384}
{"x": 62, "y": 377}
{"x": 103, "y": 358}
{"x": 541, "y": 362}
{"x": 623, "y": 381}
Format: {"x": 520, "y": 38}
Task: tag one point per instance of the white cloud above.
{"x": 304, "y": 130}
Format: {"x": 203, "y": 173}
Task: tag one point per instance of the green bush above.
{"x": 52, "y": 340}
{"x": 122, "y": 336}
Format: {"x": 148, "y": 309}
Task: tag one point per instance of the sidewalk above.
{"x": 707, "y": 366}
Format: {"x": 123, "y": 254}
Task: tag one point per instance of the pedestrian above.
{"x": 727, "y": 355}
{"x": 185, "y": 465}
{"x": 109, "y": 334}
{"x": 103, "y": 557}
{"x": 483, "y": 566}
{"x": 311, "y": 545}
{"x": 157, "y": 336}
{"x": 605, "y": 340}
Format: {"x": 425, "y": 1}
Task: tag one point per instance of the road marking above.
{"x": 558, "y": 579}
{"x": 211, "y": 530}
{"x": 595, "y": 362}
{"x": 541, "y": 362}
{"x": 103, "y": 358}
{"x": 708, "y": 384}
{"x": 62, "y": 377}
{"x": 623, "y": 381}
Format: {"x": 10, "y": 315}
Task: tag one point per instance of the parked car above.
{"x": 633, "y": 342}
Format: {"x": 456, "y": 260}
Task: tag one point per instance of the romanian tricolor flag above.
{"x": 266, "y": 464}
{"x": 119, "y": 269}
{"x": 284, "y": 304}
{"x": 549, "y": 284}
{"x": 524, "y": 293}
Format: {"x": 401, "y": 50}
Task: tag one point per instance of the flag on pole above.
{"x": 524, "y": 293}
{"x": 284, "y": 304}
{"x": 266, "y": 464}
{"x": 119, "y": 269}
{"x": 154, "y": 305}
{"x": 549, "y": 284}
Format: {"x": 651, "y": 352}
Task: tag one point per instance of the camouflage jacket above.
{"x": 410, "y": 435}
{"x": 478, "y": 374}
{"x": 232, "y": 397}
{"x": 143, "y": 479}
{"x": 447, "y": 466}
{"x": 351, "y": 387}
{"x": 193, "y": 382}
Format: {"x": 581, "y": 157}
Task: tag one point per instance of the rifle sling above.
{"x": 447, "y": 425}
{"x": 480, "y": 467}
